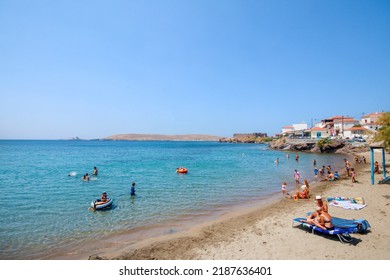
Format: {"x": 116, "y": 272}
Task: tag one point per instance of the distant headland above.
{"x": 162, "y": 137}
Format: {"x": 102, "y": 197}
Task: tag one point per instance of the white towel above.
{"x": 347, "y": 204}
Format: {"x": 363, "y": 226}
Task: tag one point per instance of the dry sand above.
{"x": 266, "y": 233}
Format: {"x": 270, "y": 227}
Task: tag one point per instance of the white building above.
{"x": 343, "y": 124}
{"x": 370, "y": 121}
{"x": 354, "y": 132}
{"x": 294, "y": 128}
{"x": 300, "y": 126}
{"x": 318, "y": 132}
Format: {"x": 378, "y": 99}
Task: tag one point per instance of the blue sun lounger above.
{"x": 384, "y": 181}
{"x": 342, "y": 228}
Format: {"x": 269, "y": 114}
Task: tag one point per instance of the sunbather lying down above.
{"x": 320, "y": 219}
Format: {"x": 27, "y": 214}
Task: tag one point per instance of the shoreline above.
{"x": 236, "y": 234}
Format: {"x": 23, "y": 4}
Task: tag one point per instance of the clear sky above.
{"x": 96, "y": 68}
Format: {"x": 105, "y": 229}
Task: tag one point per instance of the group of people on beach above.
{"x": 322, "y": 174}
{"x": 326, "y": 173}
{"x": 321, "y": 216}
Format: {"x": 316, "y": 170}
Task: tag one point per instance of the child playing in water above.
{"x": 284, "y": 188}
{"x": 297, "y": 176}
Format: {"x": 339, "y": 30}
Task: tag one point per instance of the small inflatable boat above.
{"x": 95, "y": 205}
{"x": 182, "y": 170}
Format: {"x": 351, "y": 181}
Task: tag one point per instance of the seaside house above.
{"x": 370, "y": 121}
{"x": 287, "y": 128}
{"x": 297, "y": 130}
{"x": 343, "y": 124}
{"x": 337, "y": 125}
{"x": 355, "y": 131}
{"x": 319, "y": 132}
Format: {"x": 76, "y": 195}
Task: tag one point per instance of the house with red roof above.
{"x": 319, "y": 132}
{"x": 370, "y": 121}
{"x": 336, "y": 125}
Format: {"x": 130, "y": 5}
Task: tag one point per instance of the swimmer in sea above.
{"x": 132, "y": 190}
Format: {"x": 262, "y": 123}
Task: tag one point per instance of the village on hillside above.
{"x": 337, "y": 127}
{"x": 334, "y": 128}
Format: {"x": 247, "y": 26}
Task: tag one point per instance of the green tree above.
{"x": 384, "y": 132}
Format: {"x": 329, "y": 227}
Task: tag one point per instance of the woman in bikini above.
{"x": 320, "y": 203}
{"x": 320, "y": 219}
{"x": 304, "y": 194}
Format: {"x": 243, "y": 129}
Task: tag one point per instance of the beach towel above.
{"x": 356, "y": 203}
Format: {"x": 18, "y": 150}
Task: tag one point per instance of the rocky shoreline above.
{"x": 319, "y": 146}
{"x": 300, "y": 145}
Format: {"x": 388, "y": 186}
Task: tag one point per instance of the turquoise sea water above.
{"x": 43, "y": 208}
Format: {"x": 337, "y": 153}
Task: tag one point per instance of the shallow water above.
{"x": 43, "y": 208}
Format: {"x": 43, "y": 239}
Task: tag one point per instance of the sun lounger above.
{"x": 354, "y": 226}
{"x": 342, "y": 228}
{"x": 384, "y": 181}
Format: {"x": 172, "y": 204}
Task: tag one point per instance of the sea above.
{"x": 44, "y": 201}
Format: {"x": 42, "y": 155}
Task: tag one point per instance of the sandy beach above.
{"x": 266, "y": 232}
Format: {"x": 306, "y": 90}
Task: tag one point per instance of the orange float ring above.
{"x": 182, "y": 170}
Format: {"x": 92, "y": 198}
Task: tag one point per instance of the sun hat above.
{"x": 318, "y": 197}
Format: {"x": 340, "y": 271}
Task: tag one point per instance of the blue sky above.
{"x": 96, "y": 68}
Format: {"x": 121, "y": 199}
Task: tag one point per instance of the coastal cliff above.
{"x": 318, "y": 146}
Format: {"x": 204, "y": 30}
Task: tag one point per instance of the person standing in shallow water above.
{"x": 132, "y": 190}
{"x": 297, "y": 176}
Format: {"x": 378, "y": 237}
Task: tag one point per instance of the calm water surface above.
{"x": 43, "y": 208}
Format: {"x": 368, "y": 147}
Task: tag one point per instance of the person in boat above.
{"x": 320, "y": 203}
{"x": 95, "y": 171}
{"x": 103, "y": 199}
{"x": 320, "y": 219}
{"x": 132, "y": 190}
